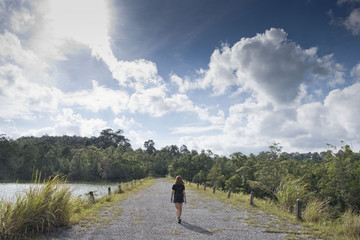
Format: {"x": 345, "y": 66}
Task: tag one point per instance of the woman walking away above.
{"x": 178, "y": 196}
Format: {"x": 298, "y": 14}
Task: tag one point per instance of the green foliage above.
{"x": 316, "y": 210}
{"x": 350, "y": 224}
{"x": 42, "y": 209}
{"x": 290, "y": 190}
{"x": 333, "y": 176}
{"x": 235, "y": 183}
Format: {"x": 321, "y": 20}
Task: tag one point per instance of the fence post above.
{"x": 92, "y": 198}
{"x": 298, "y": 208}
{"x": 214, "y": 188}
{"x": 120, "y": 189}
{"x": 109, "y": 190}
{"x": 229, "y": 193}
{"x": 205, "y": 186}
{"x": 252, "y": 198}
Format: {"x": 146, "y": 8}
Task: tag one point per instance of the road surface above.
{"x": 149, "y": 214}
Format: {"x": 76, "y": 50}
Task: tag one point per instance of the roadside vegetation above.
{"x": 316, "y": 220}
{"x": 45, "y": 207}
{"x": 328, "y": 183}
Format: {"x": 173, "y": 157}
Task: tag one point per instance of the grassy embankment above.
{"x": 46, "y": 207}
{"x": 316, "y": 220}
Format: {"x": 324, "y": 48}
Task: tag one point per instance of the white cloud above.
{"x": 11, "y": 50}
{"x": 348, "y": 1}
{"x": 22, "y": 20}
{"x": 125, "y": 123}
{"x": 269, "y": 65}
{"x": 98, "y": 98}
{"x": 251, "y": 126}
{"x": 74, "y": 124}
{"x": 196, "y": 129}
{"x": 352, "y": 22}
{"x": 69, "y": 123}
{"x": 355, "y": 73}
{"x": 20, "y": 98}
{"x": 138, "y": 74}
{"x": 40, "y": 132}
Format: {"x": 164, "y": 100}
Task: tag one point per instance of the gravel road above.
{"x": 149, "y": 214}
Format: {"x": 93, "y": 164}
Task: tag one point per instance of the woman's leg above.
{"x": 178, "y": 211}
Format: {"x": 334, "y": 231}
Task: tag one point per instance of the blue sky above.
{"x": 229, "y": 76}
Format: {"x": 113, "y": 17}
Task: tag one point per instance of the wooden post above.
{"x": 252, "y": 198}
{"x": 205, "y": 186}
{"x": 109, "y": 190}
{"x": 229, "y": 193}
{"x": 120, "y": 189}
{"x": 214, "y": 188}
{"x": 92, "y": 198}
{"x": 198, "y": 185}
{"x": 298, "y": 208}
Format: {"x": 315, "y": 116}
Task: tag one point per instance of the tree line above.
{"x": 332, "y": 176}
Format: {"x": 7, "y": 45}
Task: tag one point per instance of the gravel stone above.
{"x": 149, "y": 214}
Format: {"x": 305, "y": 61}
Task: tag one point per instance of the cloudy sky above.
{"x": 230, "y": 76}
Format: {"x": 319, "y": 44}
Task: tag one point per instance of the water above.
{"x": 9, "y": 191}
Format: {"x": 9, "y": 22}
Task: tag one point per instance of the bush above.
{"x": 316, "y": 210}
{"x": 41, "y": 209}
{"x": 288, "y": 191}
{"x": 351, "y": 224}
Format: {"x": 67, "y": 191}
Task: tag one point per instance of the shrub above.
{"x": 40, "y": 209}
{"x": 350, "y": 224}
{"x": 316, "y": 210}
{"x": 288, "y": 191}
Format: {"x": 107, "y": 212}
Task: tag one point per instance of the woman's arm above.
{"x": 172, "y": 194}
{"x": 184, "y": 193}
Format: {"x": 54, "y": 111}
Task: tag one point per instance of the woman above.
{"x": 178, "y": 196}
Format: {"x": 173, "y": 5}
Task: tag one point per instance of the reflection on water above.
{"x": 9, "y": 191}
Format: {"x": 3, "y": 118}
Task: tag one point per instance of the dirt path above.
{"x": 149, "y": 214}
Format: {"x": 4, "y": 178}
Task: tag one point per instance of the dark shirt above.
{"x": 178, "y": 195}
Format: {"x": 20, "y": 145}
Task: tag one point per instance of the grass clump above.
{"x": 47, "y": 206}
{"x": 316, "y": 210}
{"x": 287, "y": 193}
{"x": 41, "y": 209}
{"x": 350, "y": 224}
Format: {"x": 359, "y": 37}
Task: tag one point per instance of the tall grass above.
{"x": 40, "y": 209}
{"x": 316, "y": 210}
{"x": 290, "y": 190}
{"x": 350, "y": 225}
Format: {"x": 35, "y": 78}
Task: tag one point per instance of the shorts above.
{"x": 179, "y": 200}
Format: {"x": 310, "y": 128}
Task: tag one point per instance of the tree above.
{"x": 110, "y": 138}
{"x": 149, "y": 147}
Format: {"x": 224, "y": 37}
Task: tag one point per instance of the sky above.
{"x": 226, "y": 76}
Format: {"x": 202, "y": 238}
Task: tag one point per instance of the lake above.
{"x": 9, "y": 191}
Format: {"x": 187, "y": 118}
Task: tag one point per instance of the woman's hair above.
{"x": 179, "y": 180}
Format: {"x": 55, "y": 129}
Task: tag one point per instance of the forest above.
{"x": 332, "y": 177}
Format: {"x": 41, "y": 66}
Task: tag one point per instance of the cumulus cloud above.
{"x": 70, "y": 123}
{"x": 21, "y": 98}
{"x": 98, "y": 98}
{"x": 126, "y": 123}
{"x": 138, "y": 74}
{"x": 22, "y": 20}
{"x": 268, "y": 65}
{"x": 251, "y": 125}
{"x": 11, "y": 50}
